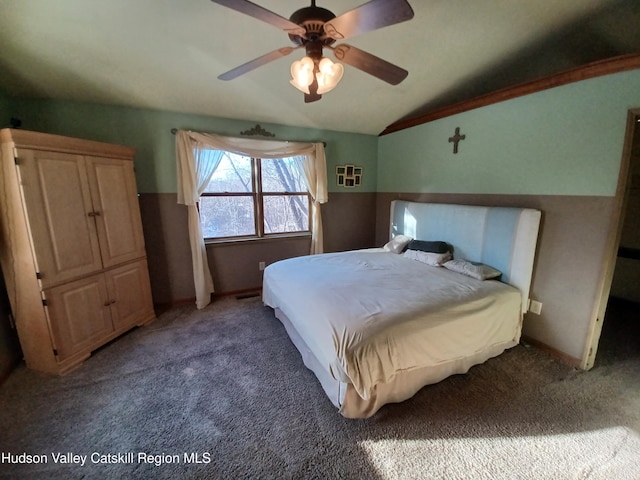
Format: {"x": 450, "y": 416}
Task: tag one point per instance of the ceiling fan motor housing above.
{"x": 312, "y": 19}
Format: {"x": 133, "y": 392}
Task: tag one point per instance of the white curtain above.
{"x": 196, "y": 163}
{"x": 198, "y": 155}
{"x": 314, "y": 169}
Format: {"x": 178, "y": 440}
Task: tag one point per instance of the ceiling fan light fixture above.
{"x": 328, "y": 75}
{"x": 302, "y": 74}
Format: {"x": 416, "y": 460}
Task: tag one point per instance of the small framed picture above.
{"x": 349, "y": 175}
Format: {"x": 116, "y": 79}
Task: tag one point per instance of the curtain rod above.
{"x": 175, "y": 130}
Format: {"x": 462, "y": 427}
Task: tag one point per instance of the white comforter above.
{"x": 369, "y": 314}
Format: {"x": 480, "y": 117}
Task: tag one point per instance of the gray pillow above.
{"x": 429, "y": 246}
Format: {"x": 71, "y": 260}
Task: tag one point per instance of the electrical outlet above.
{"x": 535, "y": 307}
{"x": 261, "y": 266}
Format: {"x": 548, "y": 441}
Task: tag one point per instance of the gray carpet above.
{"x": 225, "y": 383}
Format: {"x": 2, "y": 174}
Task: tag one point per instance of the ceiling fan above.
{"x": 314, "y": 29}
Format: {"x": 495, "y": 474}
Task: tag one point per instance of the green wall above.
{"x": 563, "y": 141}
{"x": 150, "y": 132}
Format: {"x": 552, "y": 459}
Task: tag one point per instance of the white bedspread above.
{"x": 369, "y": 314}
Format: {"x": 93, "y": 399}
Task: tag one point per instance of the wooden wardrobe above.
{"x": 72, "y": 248}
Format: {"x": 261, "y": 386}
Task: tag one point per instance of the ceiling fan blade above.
{"x": 370, "y": 16}
{"x": 257, "y": 62}
{"x": 370, "y": 64}
{"x": 261, "y": 13}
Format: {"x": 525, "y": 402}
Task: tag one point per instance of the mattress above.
{"x": 370, "y": 316}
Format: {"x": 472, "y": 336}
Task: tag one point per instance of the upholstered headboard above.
{"x": 504, "y": 238}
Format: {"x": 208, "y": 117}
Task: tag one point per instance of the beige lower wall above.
{"x": 566, "y": 276}
{"x": 234, "y": 266}
{"x": 168, "y": 253}
{"x": 349, "y": 223}
{"x": 570, "y": 252}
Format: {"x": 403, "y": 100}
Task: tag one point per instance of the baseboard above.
{"x": 240, "y": 294}
{"x": 165, "y": 306}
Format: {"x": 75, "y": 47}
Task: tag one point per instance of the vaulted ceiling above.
{"x": 167, "y": 54}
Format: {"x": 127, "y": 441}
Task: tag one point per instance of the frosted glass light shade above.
{"x": 302, "y": 74}
{"x": 329, "y": 74}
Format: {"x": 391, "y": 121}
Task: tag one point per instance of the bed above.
{"x": 447, "y": 292}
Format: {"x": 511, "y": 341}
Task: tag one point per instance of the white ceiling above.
{"x": 166, "y": 54}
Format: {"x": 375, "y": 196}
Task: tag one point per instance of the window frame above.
{"x": 257, "y": 194}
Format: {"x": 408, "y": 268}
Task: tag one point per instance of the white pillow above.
{"x": 475, "y": 270}
{"x": 397, "y": 243}
{"x": 430, "y": 258}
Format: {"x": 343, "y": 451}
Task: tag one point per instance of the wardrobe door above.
{"x": 60, "y": 215}
{"x": 130, "y": 295}
{"x": 79, "y": 315}
{"x": 115, "y": 199}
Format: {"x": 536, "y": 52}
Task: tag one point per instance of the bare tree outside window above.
{"x": 285, "y": 208}
{"x": 249, "y": 197}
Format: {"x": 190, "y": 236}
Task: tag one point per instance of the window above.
{"x": 254, "y": 197}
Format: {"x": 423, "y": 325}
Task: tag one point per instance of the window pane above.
{"x": 232, "y": 175}
{"x": 280, "y": 175}
{"x": 286, "y": 213}
{"x": 227, "y": 216}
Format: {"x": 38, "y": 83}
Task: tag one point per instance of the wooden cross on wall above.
{"x": 456, "y": 139}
